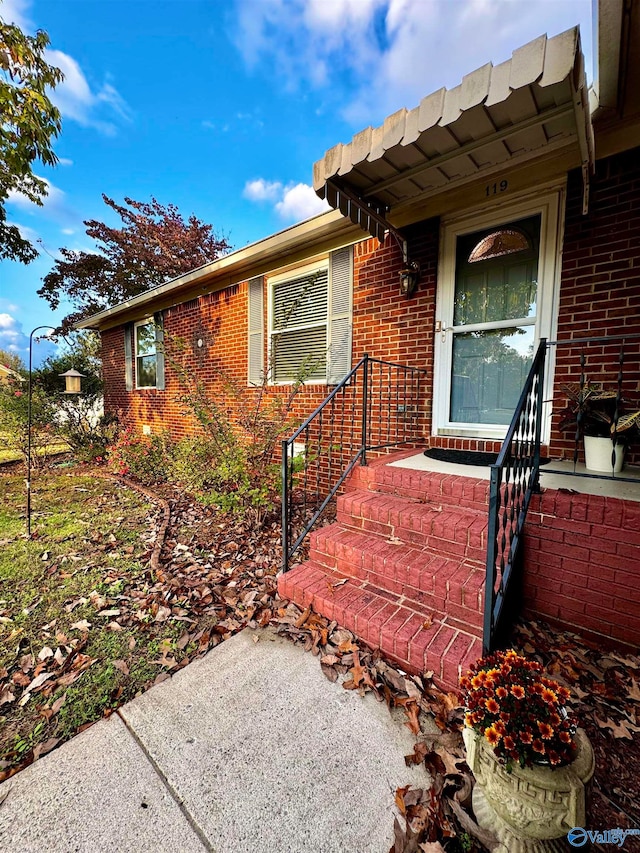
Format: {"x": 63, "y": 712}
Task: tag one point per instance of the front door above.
{"x": 489, "y": 326}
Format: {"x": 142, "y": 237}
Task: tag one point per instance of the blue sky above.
{"x": 222, "y": 106}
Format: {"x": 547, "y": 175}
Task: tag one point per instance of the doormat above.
{"x": 465, "y": 457}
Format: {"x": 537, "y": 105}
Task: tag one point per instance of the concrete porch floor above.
{"x": 625, "y": 486}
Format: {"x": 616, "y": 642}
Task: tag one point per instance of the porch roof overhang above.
{"x": 533, "y": 105}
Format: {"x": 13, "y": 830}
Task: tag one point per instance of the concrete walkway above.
{"x": 248, "y": 749}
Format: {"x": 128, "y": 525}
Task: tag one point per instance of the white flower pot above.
{"x": 531, "y": 809}
{"x": 598, "y": 451}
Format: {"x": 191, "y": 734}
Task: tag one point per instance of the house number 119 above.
{"x": 494, "y": 189}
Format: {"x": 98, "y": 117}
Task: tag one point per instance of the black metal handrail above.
{"x": 514, "y": 478}
{"x": 516, "y": 472}
{"x": 602, "y": 378}
{"x": 376, "y": 405}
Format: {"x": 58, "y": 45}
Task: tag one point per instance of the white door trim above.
{"x": 550, "y": 205}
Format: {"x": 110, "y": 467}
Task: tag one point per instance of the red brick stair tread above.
{"x": 410, "y": 637}
{"x": 456, "y": 531}
{"x": 427, "y": 579}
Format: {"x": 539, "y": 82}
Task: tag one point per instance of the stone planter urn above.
{"x": 531, "y": 809}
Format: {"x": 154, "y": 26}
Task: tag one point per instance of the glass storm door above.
{"x": 491, "y": 328}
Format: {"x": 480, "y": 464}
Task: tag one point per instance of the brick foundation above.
{"x": 582, "y": 563}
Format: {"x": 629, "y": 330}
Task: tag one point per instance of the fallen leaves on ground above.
{"x": 605, "y": 697}
{"x": 429, "y": 817}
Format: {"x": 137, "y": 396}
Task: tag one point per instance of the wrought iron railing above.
{"x": 377, "y": 405}
{"x": 603, "y": 378}
{"x": 514, "y": 478}
{"x": 582, "y": 364}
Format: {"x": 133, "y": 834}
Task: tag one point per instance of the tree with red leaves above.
{"x": 153, "y": 245}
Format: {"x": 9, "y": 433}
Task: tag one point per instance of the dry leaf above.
{"x": 44, "y": 748}
{"x": 81, "y": 625}
{"x": 6, "y": 696}
{"x": 329, "y": 672}
{"x": 412, "y": 710}
{"x": 163, "y": 614}
{"x": 400, "y": 795}
{"x": 122, "y": 666}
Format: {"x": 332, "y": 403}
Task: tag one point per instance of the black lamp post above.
{"x": 72, "y": 382}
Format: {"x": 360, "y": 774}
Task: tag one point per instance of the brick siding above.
{"x": 582, "y": 559}
{"x": 600, "y": 292}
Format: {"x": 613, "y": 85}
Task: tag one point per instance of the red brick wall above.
{"x": 386, "y": 324}
{"x": 600, "y": 291}
{"x": 220, "y": 320}
{"x": 582, "y": 554}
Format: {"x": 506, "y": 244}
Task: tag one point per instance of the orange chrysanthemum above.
{"x": 518, "y": 691}
{"x": 501, "y": 692}
{"x": 549, "y": 697}
{"x": 492, "y": 735}
{"x": 546, "y": 731}
{"x": 565, "y": 737}
{"x": 492, "y": 706}
{"x": 538, "y": 746}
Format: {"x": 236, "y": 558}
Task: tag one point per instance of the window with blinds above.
{"x": 299, "y": 327}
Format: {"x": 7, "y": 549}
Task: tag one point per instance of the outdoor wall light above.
{"x": 409, "y": 278}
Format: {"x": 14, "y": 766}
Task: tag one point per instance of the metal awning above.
{"x": 535, "y": 103}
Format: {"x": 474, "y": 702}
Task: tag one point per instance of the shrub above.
{"x": 14, "y": 409}
{"x": 236, "y": 462}
{"x": 144, "y": 457}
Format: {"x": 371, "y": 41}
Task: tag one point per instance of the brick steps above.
{"x": 430, "y": 486}
{"x": 454, "y": 530}
{"x": 410, "y": 546}
{"x": 426, "y": 579}
{"x": 406, "y": 635}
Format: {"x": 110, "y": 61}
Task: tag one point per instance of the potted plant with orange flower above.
{"x": 530, "y": 760}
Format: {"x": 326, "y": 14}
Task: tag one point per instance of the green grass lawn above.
{"x": 79, "y": 632}
{"x": 9, "y": 455}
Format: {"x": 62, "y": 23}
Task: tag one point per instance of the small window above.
{"x": 146, "y": 354}
{"x": 299, "y": 327}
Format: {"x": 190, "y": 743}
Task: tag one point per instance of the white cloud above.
{"x": 371, "y": 57}
{"x": 261, "y": 190}
{"x": 15, "y": 12}
{"x": 54, "y": 197}
{"x": 300, "y": 202}
{"x": 29, "y": 234}
{"x": 77, "y": 101}
{"x": 292, "y": 202}
{"x": 14, "y": 339}
{"x": 68, "y": 231}
{"x": 64, "y": 161}
{"x": 55, "y": 207}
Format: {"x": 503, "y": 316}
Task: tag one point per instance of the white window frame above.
{"x": 148, "y": 322}
{"x": 295, "y": 272}
{"x": 549, "y": 203}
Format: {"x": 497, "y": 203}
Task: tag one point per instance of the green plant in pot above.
{"x": 597, "y": 416}
{"x": 530, "y": 760}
